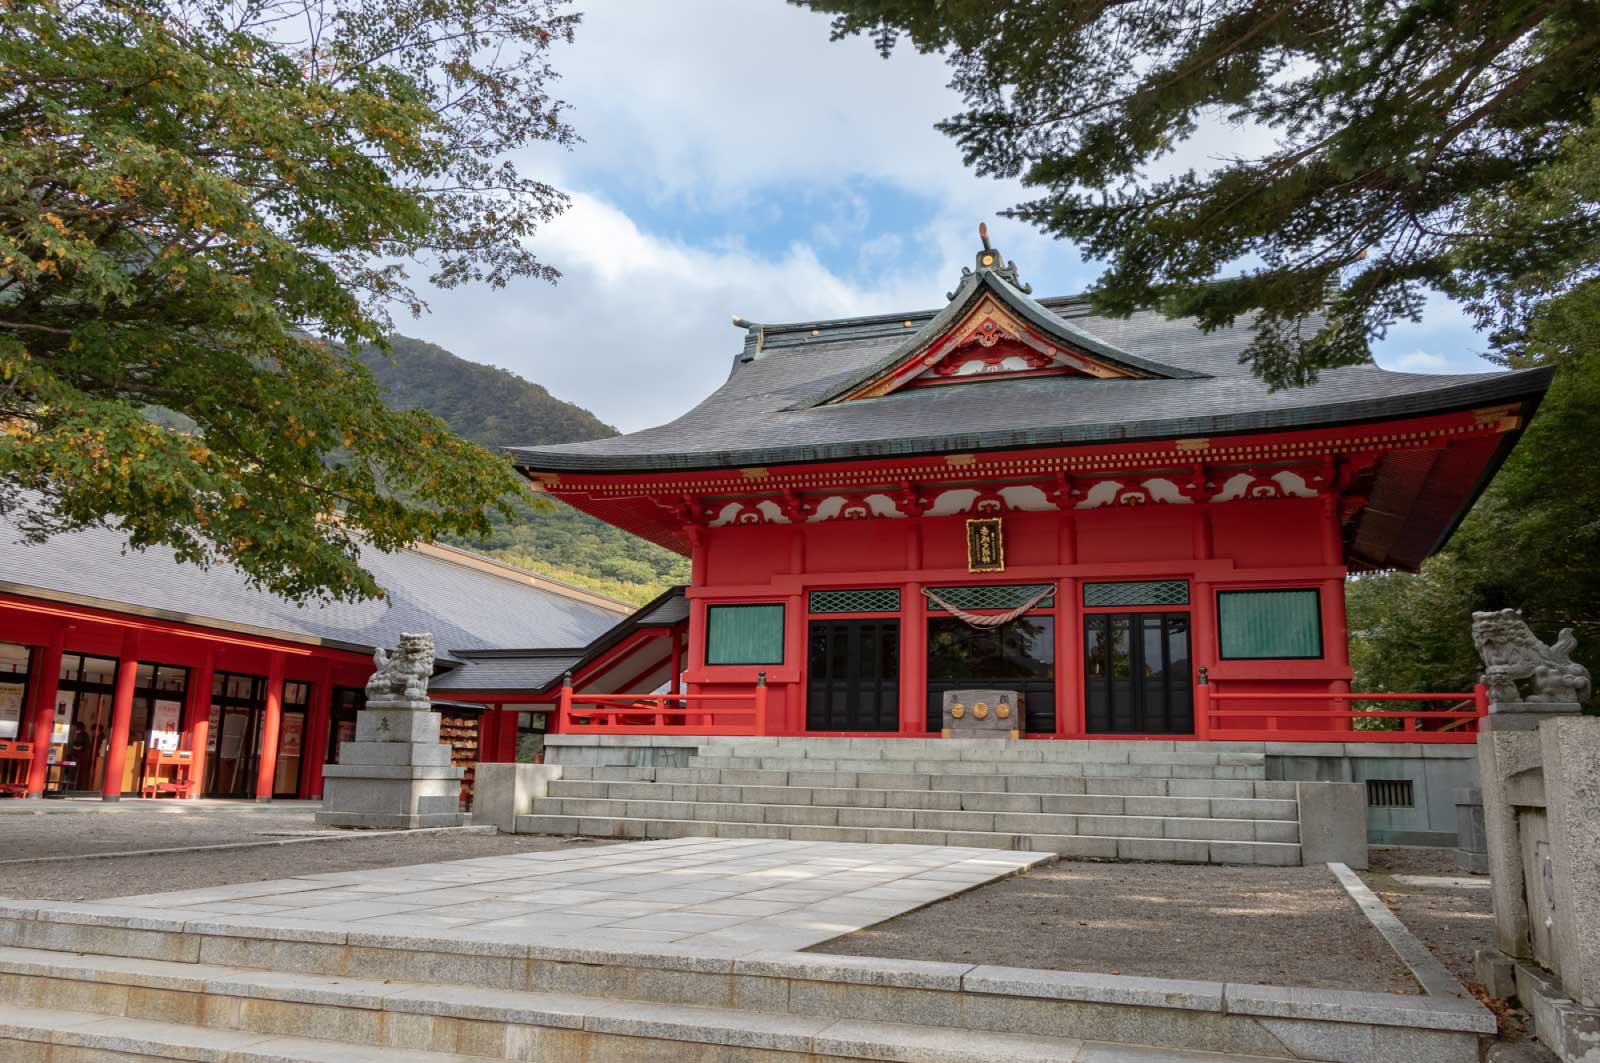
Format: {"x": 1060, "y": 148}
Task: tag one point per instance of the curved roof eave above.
{"x": 1522, "y": 384}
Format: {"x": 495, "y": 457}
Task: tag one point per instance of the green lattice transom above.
{"x": 874, "y": 600}
{"x": 1136, "y": 592}
{"x": 1000, "y": 596}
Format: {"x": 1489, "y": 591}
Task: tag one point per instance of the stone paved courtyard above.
{"x": 723, "y": 893}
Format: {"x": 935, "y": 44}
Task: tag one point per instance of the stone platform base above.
{"x": 395, "y": 775}
{"x": 170, "y": 977}
{"x": 390, "y": 820}
{"x": 1561, "y": 1024}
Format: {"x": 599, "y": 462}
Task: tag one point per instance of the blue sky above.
{"x": 738, "y": 162}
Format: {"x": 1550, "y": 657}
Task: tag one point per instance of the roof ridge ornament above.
{"x": 988, "y": 261}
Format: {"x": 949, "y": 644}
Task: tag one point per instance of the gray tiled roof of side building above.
{"x": 464, "y": 607}
{"x": 511, "y": 673}
{"x": 760, "y": 416}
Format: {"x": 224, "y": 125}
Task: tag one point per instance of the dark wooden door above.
{"x": 853, "y": 676}
{"x": 1136, "y": 673}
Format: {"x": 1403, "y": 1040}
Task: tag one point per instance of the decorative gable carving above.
{"x": 987, "y": 343}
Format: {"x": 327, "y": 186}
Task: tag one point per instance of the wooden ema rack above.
{"x": 156, "y": 781}
{"x": 14, "y": 760}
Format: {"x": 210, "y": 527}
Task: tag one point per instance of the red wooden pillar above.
{"x": 121, "y": 716}
{"x": 1203, "y": 622}
{"x": 1069, "y": 632}
{"x": 271, "y": 717}
{"x": 1069, "y": 658}
{"x": 198, "y": 731}
{"x": 913, "y": 660}
{"x": 506, "y": 750}
{"x": 314, "y": 745}
{"x": 44, "y": 677}
{"x": 1203, "y": 648}
{"x": 675, "y": 682}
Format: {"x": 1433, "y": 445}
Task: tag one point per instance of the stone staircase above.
{"x": 80, "y": 984}
{"x": 1153, "y": 801}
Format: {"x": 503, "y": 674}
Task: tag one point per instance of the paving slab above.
{"x": 741, "y": 895}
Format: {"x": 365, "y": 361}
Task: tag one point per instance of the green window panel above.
{"x": 744, "y": 634}
{"x": 875, "y": 600}
{"x": 1136, "y": 592}
{"x": 1001, "y": 596}
{"x": 1270, "y": 625}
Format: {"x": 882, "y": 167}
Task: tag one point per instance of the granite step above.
{"x": 1195, "y": 766}
{"x": 346, "y": 994}
{"x": 1155, "y": 847}
{"x": 1024, "y": 779}
{"x": 998, "y": 800}
{"x": 984, "y": 822}
{"x": 211, "y": 1014}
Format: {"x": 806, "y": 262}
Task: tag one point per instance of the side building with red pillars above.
{"x": 127, "y": 673}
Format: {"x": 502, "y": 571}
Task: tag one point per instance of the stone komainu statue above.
{"x": 1512, "y": 652}
{"x": 403, "y": 675}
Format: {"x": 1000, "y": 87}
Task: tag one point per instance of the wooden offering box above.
{"x": 167, "y": 772}
{"x": 14, "y": 759}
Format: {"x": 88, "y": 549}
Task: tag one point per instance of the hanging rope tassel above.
{"x": 985, "y": 620}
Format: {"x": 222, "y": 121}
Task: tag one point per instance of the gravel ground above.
{"x": 25, "y": 836}
{"x": 119, "y": 876}
{"x": 1272, "y": 926}
{"x": 1452, "y": 922}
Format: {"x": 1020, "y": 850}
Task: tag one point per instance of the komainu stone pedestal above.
{"x": 395, "y": 775}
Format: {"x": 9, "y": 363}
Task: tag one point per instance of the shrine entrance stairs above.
{"x": 1156, "y": 801}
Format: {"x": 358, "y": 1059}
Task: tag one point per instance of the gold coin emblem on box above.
{"x": 980, "y": 711}
{"x": 958, "y": 710}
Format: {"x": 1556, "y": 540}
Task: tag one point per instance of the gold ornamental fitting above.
{"x": 958, "y": 710}
{"x": 1002, "y": 711}
{"x": 980, "y": 711}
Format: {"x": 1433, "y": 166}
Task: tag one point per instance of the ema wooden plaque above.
{"x": 986, "y": 547}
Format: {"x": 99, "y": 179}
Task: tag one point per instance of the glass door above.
{"x": 231, "y": 745}
{"x": 1136, "y": 673}
{"x": 291, "y": 739}
{"x": 83, "y": 697}
{"x": 1018, "y": 656}
{"x": 347, "y": 701}
{"x": 853, "y": 676}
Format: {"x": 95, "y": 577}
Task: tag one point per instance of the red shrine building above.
{"x": 1110, "y": 517}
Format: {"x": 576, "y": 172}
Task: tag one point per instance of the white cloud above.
{"x": 1418, "y": 362}
{"x": 638, "y": 329}
{"x": 718, "y": 120}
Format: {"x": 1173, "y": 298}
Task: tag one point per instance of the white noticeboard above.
{"x": 164, "y": 717}
{"x": 11, "y": 710}
{"x": 61, "y": 729}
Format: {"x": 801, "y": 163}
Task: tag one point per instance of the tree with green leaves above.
{"x": 206, "y": 208}
{"x": 1405, "y": 144}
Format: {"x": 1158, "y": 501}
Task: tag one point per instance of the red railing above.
{"x": 681, "y": 714}
{"x": 1458, "y": 723}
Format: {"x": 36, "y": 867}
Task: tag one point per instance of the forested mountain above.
{"x": 481, "y": 403}
{"x": 498, "y": 408}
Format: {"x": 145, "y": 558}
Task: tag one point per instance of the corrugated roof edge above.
{"x": 1500, "y": 387}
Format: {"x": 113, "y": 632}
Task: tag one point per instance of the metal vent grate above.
{"x": 1002, "y": 596}
{"x": 876, "y": 600}
{"x": 1391, "y": 793}
{"x": 1136, "y": 592}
